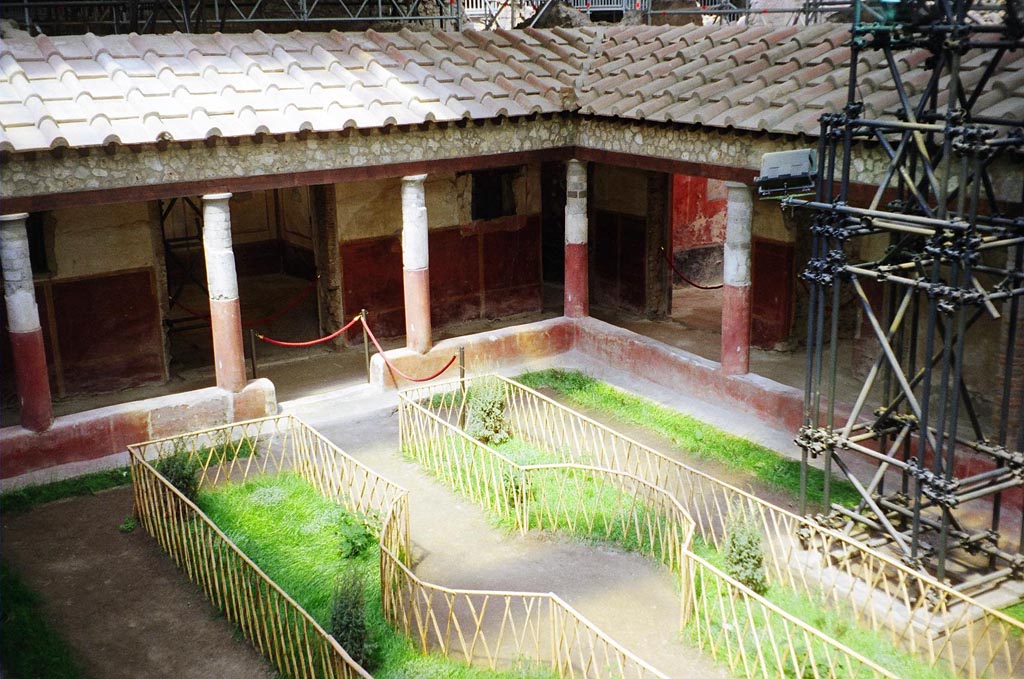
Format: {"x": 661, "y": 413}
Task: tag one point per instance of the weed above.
{"x": 129, "y": 524}
{"x": 485, "y": 417}
{"x": 744, "y": 552}
{"x": 355, "y": 534}
{"x": 181, "y": 469}
{"x": 348, "y": 618}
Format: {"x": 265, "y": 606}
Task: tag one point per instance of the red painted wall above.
{"x": 698, "y": 212}
{"x": 101, "y": 332}
{"x": 618, "y": 275}
{"x": 772, "y": 277}
{"x": 478, "y": 270}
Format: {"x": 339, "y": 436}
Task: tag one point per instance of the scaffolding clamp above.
{"x": 816, "y": 440}
{"x": 936, "y": 488}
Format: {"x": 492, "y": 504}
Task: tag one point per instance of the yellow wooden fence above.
{"x": 489, "y": 628}
{"x": 929, "y": 618}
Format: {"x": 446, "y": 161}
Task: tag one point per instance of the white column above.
{"x": 577, "y": 293}
{"x": 26, "y": 334}
{"x": 416, "y": 264}
{"x": 222, "y": 282}
{"x": 736, "y": 299}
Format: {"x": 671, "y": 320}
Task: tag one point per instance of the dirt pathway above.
{"x": 455, "y": 545}
{"x": 121, "y": 604}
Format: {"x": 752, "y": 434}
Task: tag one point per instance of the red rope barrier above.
{"x": 391, "y": 366}
{"x": 684, "y": 278}
{"x": 401, "y": 374}
{"x": 309, "y": 343}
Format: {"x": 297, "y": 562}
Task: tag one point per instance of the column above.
{"x": 736, "y": 274}
{"x": 415, "y": 264}
{"x": 225, "y": 313}
{"x": 31, "y": 374}
{"x": 577, "y": 293}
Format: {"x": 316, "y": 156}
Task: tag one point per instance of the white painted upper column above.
{"x": 738, "y": 230}
{"x": 415, "y": 254}
{"x": 220, "y": 257}
{"x": 576, "y": 203}
{"x": 19, "y": 291}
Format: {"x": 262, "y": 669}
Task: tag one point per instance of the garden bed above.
{"x": 823, "y": 569}
{"x": 256, "y": 477}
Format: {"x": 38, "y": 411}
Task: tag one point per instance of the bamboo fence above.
{"x": 490, "y": 628}
{"x": 923, "y": 615}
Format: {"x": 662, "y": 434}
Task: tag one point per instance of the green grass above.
{"x": 690, "y": 434}
{"x": 29, "y": 646}
{"x": 24, "y": 499}
{"x": 835, "y": 620}
{"x": 572, "y": 494}
{"x": 1016, "y": 611}
{"x": 291, "y": 532}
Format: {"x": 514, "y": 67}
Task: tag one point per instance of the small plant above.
{"x": 129, "y": 524}
{"x": 181, "y": 470}
{"x": 518, "y": 489}
{"x": 356, "y": 534}
{"x": 485, "y": 418}
{"x": 348, "y": 618}
{"x": 744, "y": 552}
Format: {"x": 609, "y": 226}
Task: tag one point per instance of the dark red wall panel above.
{"x": 619, "y": 271}
{"x": 482, "y": 268}
{"x": 772, "y": 276}
{"x": 372, "y": 279}
{"x": 108, "y": 331}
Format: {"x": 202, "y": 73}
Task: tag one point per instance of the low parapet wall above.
{"x": 96, "y": 439}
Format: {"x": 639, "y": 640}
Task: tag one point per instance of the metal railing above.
{"x": 489, "y": 628}
{"x": 941, "y": 625}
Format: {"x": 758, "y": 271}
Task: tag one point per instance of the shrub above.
{"x": 355, "y": 534}
{"x": 348, "y": 618}
{"x": 744, "y": 552}
{"x": 485, "y": 417}
{"x": 181, "y": 470}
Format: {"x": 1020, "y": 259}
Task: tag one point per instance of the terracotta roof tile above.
{"x": 88, "y": 91}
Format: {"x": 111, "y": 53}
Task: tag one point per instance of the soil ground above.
{"x": 121, "y": 604}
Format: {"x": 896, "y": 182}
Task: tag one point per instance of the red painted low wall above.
{"x": 95, "y": 434}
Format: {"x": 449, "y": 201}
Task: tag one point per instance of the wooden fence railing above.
{"x": 927, "y": 617}
{"x": 476, "y": 627}
{"x": 270, "y": 619}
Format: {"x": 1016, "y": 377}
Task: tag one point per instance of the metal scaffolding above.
{"x": 948, "y": 268}
{"x": 104, "y": 17}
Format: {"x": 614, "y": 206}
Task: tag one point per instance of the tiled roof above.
{"x": 82, "y": 91}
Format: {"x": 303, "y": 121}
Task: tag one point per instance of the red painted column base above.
{"x": 417, "y": 309}
{"x": 228, "y": 352}
{"x": 577, "y": 292}
{"x": 32, "y": 379}
{"x": 736, "y": 329}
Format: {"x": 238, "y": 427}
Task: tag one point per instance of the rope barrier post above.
{"x": 252, "y": 350}
{"x": 462, "y": 387}
{"x": 366, "y": 345}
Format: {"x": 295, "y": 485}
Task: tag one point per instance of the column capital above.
{"x": 13, "y": 217}
{"x": 414, "y": 179}
{"x": 215, "y": 197}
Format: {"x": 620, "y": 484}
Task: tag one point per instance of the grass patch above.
{"x": 1015, "y": 611}
{"x": 690, "y": 434}
{"x": 29, "y": 646}
{"x": 836, "y": 620}
{"x": 574, "y": 502}
{"x": 295, "y": 535}
{"x": 24, "y": 499}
